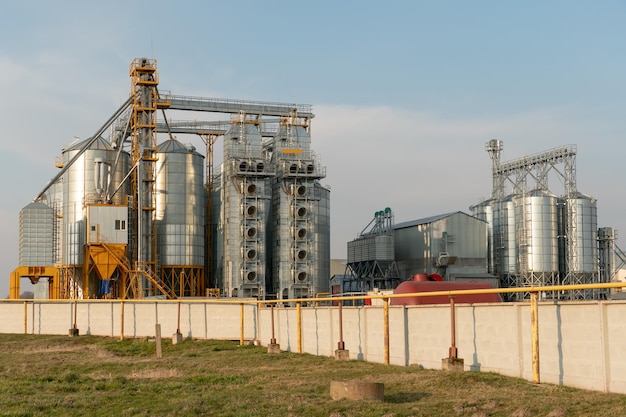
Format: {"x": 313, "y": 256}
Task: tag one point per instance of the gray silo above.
{"x": 294, "y": 248}
{"x": 180, "y": 218}
{"x": 581, "y": 248}
{"x": 36, "y": 224}
{"x": 244, "y": 209}
{"x": 537, "y": 225}
{"x": 86, "y": 181}
{"x": 505, "y": 239}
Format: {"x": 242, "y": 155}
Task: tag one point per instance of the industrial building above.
{"x": 526, "y": 234}
{"x": 135, "y": 213}
{"x": 451, "y": 245}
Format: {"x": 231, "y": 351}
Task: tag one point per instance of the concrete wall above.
{"x": 580, "y": 343}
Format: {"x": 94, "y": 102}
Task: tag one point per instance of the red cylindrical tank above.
{"x": 408, "y": 287}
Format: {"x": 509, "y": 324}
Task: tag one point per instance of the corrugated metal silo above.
{"x": 580, "y": 249}
{"x": 505, "y": 237}
{"x": 536, "y": 220}
{"x": 85, "y": 183}
{"x": 180, "y": 217}
{"x": 582, "y": 242}
{"x": 36, "y": 223}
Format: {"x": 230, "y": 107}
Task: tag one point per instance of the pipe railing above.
{"x": 534, "y": 316}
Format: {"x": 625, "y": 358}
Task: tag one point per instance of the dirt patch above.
{"x": 557, "y": 412}
{"x": 155, "y": 374}
{"x": 522, "y": 412}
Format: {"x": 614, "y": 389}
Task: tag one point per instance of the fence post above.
{"x": 299, "y": 321}
{"x": 241, "y": 324}
{"x": 122, "y": 320}
{"x": 386, "y": 328}
{"x": 26, "y": 317}
{"x": 534, "y": 322}
{"x": 453, "y": 352}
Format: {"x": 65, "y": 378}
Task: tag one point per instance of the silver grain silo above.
{"x": 505, "y": 240}
{"x": 36, "y": 225}
{"x": 180, "y": 217}
{"x": 87, "y": 181}
{"x": 484, "y": 211}
{"x": 581, "y": 249}
{"x": 536, "y": 220}
{"x": 243, "y": 212}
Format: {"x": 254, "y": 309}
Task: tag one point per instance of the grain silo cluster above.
{"x": 134, "y": 213}
{"x": 540, "y": 236}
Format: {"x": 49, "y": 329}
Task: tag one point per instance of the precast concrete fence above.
{"x": 574, "y": 343}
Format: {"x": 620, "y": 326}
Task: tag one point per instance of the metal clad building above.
{"x": 453, "y": 245}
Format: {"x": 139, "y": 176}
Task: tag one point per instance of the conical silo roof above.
{"x": 174, "y": 146}
{"x": 99, "y": 144}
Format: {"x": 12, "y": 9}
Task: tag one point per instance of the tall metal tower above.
{"x": 142, "y": 253}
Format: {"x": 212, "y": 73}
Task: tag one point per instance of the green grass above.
{"x": 94, "y": 376}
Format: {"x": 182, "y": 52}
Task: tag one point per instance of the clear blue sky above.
{"x": 406, "y": 93}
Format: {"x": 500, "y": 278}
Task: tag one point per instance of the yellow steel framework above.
{"x": 34, "y": 274}
{"x": 144, "y": 81}
{"x": 184, "y": 280}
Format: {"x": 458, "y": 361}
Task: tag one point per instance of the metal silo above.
{"x": 536, "y": 221}
{"x": 505, "y": 240}
{"x": 180, "y": 217}
{"x": 35, "y": 235}
{"x": 581, "y": 250}
{"x": 98, "y": 171}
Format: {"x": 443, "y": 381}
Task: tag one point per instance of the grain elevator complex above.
{"x": 127, "y": 217}
{"x": 133, "y": 213}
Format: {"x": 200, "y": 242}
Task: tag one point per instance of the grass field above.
{"x": 95, "y": 376}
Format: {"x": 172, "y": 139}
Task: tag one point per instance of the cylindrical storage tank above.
{"x": 504, "y": 231}
{"x": 582, "y": 230}
{"x": 180, "y": 205}
{"x": 536, "y": 219}
{"x": 484, "y": 211}
{"x": 83, "y": 184}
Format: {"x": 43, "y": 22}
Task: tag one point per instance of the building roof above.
{"x": 431, "y": 219}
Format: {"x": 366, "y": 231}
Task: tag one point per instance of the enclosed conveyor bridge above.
{"x": 219, "y": 105}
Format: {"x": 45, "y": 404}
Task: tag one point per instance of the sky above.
{"x": 405, "y": 93}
